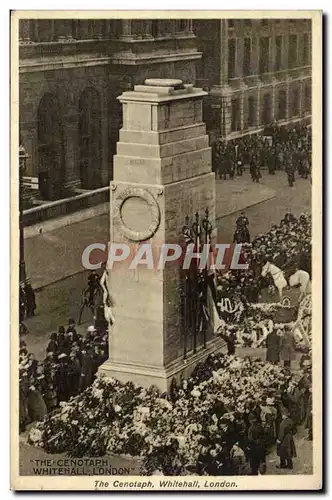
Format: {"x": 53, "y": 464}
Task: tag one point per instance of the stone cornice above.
{"x": 52, "y": 63}
{"x": 135, "y": 59}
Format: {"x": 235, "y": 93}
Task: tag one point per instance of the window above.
{"x": 251, "y": 111}
{"x": 236, "y": 119}
{"x": 295, "y": 101}
{"x": 282, "y": 102}
{"x": 307, "y": 98}
{"x": 231, "y": 57}
{"x": 231, "y": 23}
{"x": 46, "y": 30}
{"x": 138, "y": 27}
{"x": 264, "y": 46}
{"x": 166, "y": 27}
{"x": 247, "y": 23}
{"x": 292, "y": 51}
{"x": 278, "y": 53}
{"x": 182, "y": 25}
{"x": 247, "y": 57}
{"x": 266, "y": 110}
{"x": 264, "y": 22}
{"x": 306, "y": 48}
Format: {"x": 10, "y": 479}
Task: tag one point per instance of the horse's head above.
{"x": 265, "y": 269}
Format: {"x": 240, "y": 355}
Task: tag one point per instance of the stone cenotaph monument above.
{"x": 162, "y": 173}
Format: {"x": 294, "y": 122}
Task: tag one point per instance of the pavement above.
{"x": 53, "y": 258}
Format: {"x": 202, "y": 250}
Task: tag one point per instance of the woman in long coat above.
{"x": 286, "y": 450}
{"x": 273, "y": 347}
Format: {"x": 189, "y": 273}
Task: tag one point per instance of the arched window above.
{"x": 51, "y": 156}
{"x": 90, "y": 156}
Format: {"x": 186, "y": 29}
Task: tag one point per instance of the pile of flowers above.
{"x": 169, "y": 432}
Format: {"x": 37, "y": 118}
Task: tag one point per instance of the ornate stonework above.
{"x": 148, "y": 198}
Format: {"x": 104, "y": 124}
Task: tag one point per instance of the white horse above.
{"x": 301, "y": 278}
{"x": 277, "y": 274}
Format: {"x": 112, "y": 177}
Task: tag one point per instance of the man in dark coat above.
{"x": 285, "y": 443}
{"x": 272, "y": 347}
{"x": 33, "y": 366}
{"x": 62, "y": 378}
{"x": 72, "y": 329}
{"x": 287, "y": 348}
{"x": 86, "y": 370}
{"x": 22, "y": 302}
{"x": 290, "y": 173}
{"x": 30, "y": 298}
{"x": 74, "y": 374}
{"x": 256, "y": 444}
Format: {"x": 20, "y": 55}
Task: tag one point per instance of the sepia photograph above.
{"x": 166, "y": 214}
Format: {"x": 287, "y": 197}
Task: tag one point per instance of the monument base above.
{"x": 161, "y": 377}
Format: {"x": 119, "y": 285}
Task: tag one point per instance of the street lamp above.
{"x": 22, "y": 156}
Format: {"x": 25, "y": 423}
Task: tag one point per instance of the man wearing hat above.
{"x": 286, "y": 450}
{"x": 273, "y": 347}
{"x": 62, "y": 377}
{"x": 72, "y": 329}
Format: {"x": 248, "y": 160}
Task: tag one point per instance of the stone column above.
{"x": 301, "y": 98}
{"x": 126, "y": 29}
{"x": 255, "y": 49}
{"x": 273, "y": 101}
{"x": 105, "y": 167}
{"x": 242, "y": 121}
{"x": 287, "y": 98}
{"x": 259, "y": 105}
{"x": 70, "y": 129}
{"x": 272, "y": 56}
{"x": 35, "y": 30}
{"x": 154, "y": 188}
{"x": 223, "y": 52}
{"x": 24, "y": 31}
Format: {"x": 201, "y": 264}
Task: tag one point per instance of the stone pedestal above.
{"x": 162, "y": 172}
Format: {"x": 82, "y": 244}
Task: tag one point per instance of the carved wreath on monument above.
{"x": 152, "y": 215}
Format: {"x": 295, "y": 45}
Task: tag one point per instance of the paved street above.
{"x": 58, "y": 249}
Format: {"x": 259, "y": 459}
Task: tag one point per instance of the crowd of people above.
{"x": 279, "y": 148}
{"x": 273, "y": 422}
{"x": 69, "y": 367}
{"x": 287, "y": 245}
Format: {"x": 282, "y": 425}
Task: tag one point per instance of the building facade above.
{"x": 72, "y": 71}
{"x": 257, "y": 71}
{"x": 70, "y": 75}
